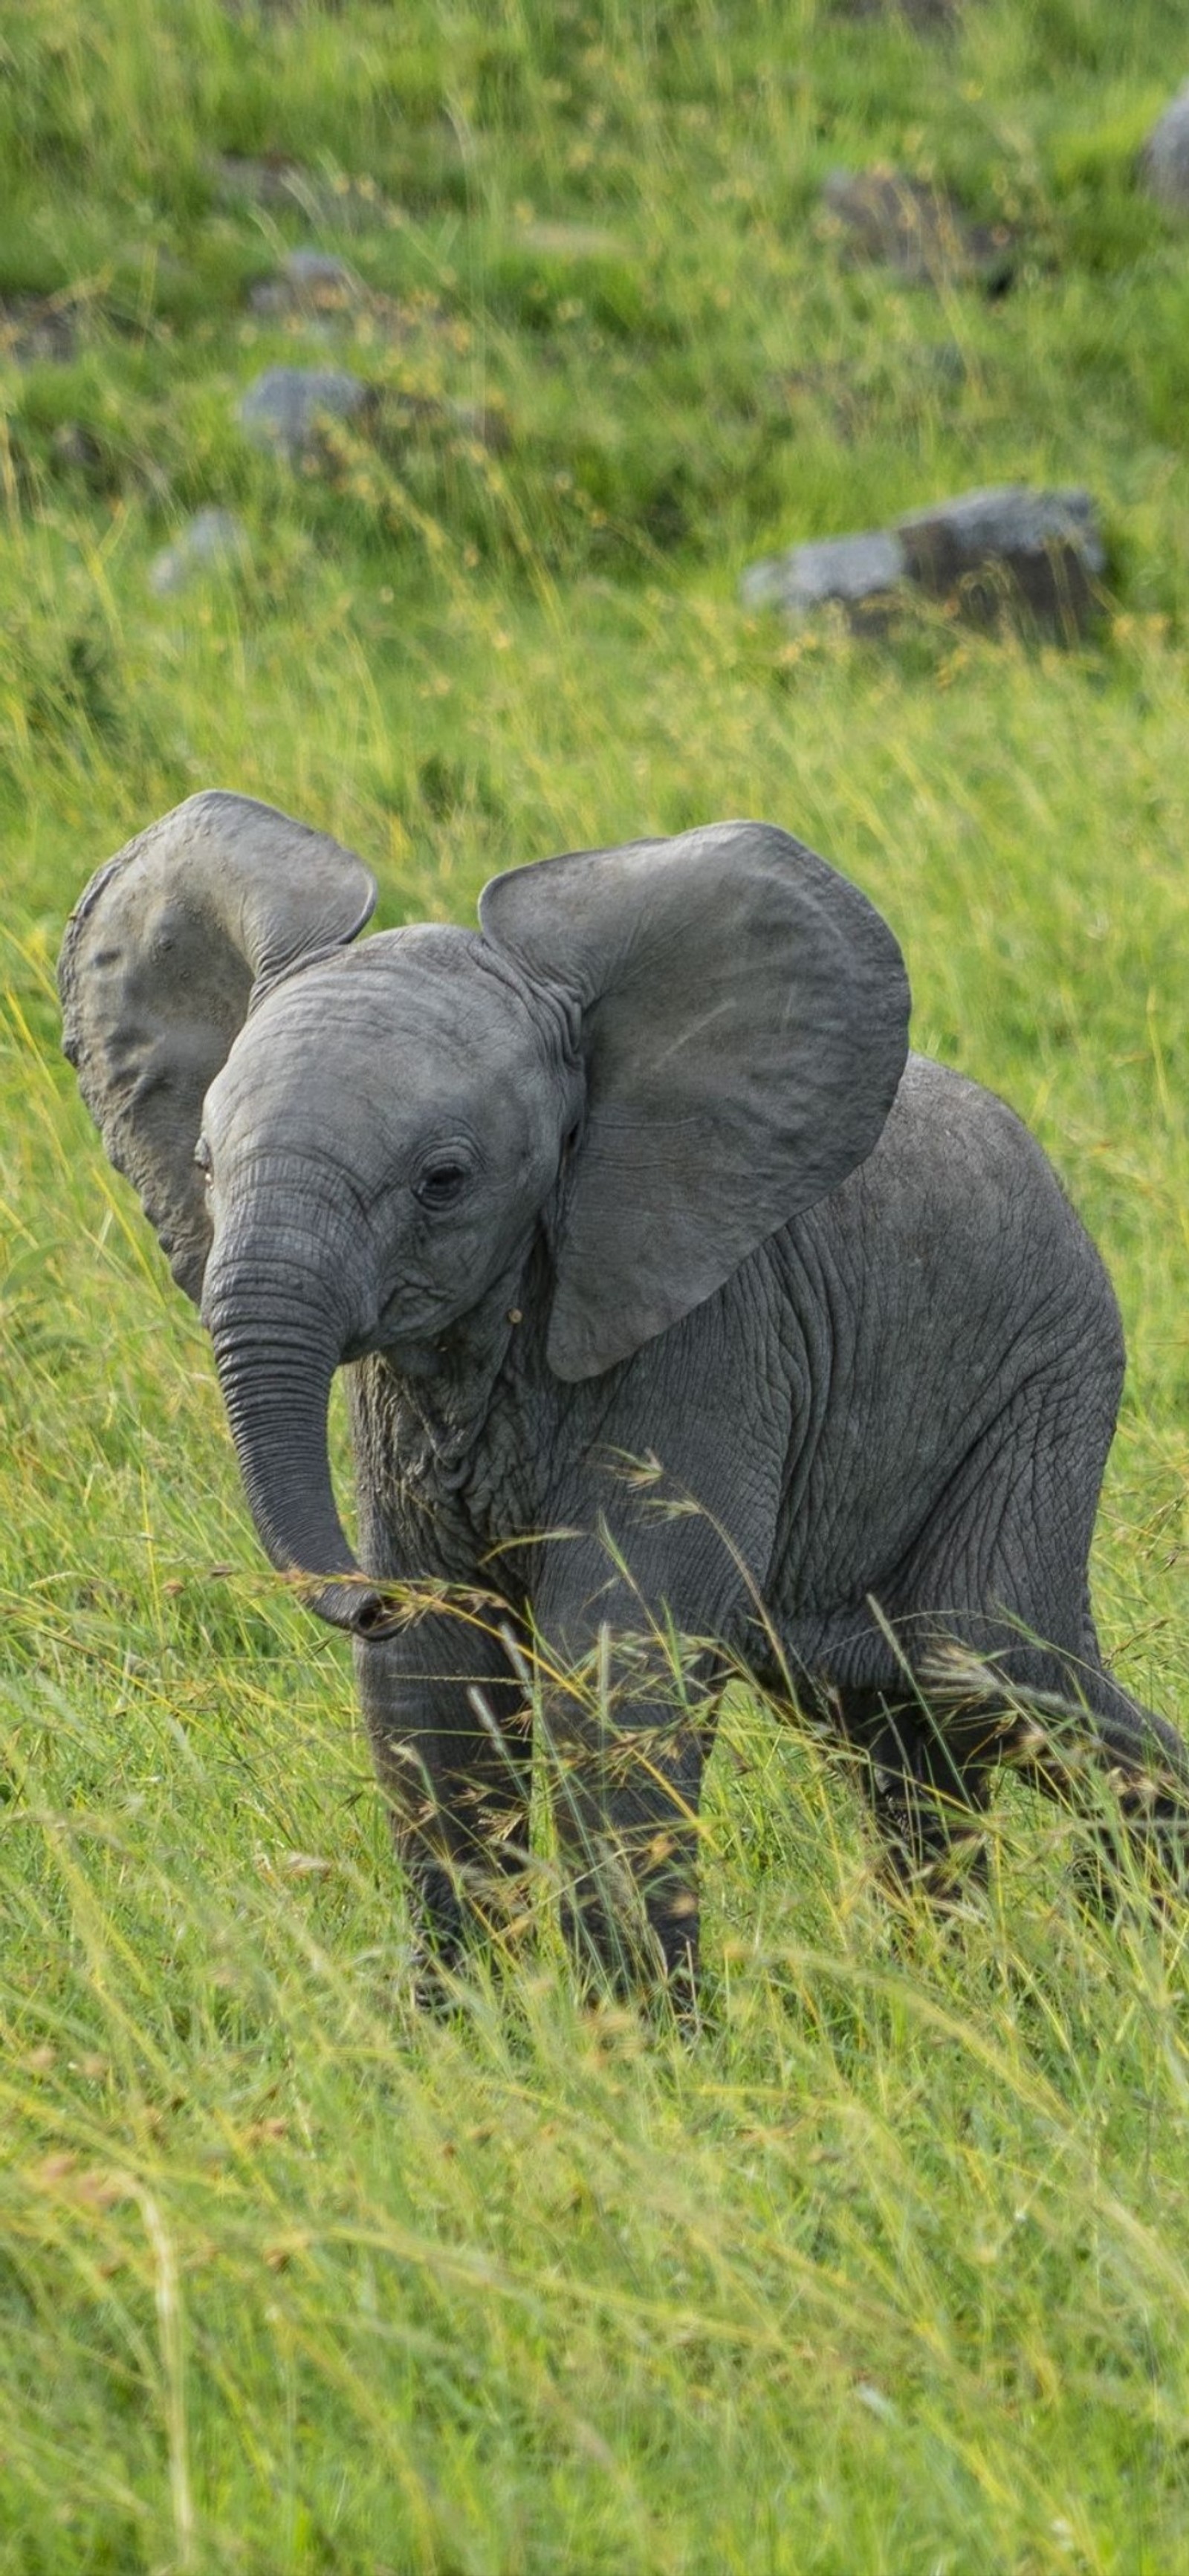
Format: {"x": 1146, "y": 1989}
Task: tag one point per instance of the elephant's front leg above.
{"x": 627, "y": 1729}
{"x": 452, "y": 1743}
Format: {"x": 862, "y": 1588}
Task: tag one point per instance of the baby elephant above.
{"x": 638, "y": 1172}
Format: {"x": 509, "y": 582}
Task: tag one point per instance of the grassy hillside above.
{"x": 888, "y": 2270}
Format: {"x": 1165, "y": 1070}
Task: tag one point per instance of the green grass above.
{"x": 886, "y": 2273}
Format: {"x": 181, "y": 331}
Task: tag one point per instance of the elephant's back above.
{"x": 958, "y": 1194}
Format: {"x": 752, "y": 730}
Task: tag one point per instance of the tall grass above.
{"x": 887, "y": 2268}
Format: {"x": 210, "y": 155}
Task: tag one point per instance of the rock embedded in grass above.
{"x": 856, "y": 571}
{"x": 308, "y": 282}
{"x": 1165, "y": 161}
{"x": 1009, "y": 545}
{"x": 287, "y": 409}
{"x": 213, "y": 540}
{"x": 262, "y": 179}
{"x": 291, "y": 409}
{"x": 271, "y": 180}
{"x": 34, "y": 328}
{"x": 1006, "y": 547}
{"x": 915, "y": 229}
{"x": 315, "y": 295}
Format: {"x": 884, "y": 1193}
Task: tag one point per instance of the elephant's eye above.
{"x": 202, "y": 1156}
{"x": 440, "y": 1183}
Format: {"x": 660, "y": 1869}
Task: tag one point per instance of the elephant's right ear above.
{"x": 742, "y": 1015}
{"x": 162, "y": 959}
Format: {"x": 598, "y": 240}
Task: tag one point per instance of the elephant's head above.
{"x": 668, "y": 1049}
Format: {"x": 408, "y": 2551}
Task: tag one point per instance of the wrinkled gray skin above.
{"x": 631, "y": 1175}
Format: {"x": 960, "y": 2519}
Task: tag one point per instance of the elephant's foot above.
{"x": 632, "y": 1930}
{"x": 928, "y": 1782}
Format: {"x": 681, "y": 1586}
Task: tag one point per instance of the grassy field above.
{"x": 887, "y": 2273}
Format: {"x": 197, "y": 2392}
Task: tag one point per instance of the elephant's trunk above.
{"x": 277, "y": 1344}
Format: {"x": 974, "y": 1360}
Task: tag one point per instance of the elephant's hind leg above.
{"x": 1100, "y": 1733}
{"x": 992, "y": 1613}
{"x": 928, "y": 1782}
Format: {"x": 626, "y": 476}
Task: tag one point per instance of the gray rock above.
{"x": 286, "y": 408}
{"x": 212, "y": 541}
{"x": 36, "y": 327}
{"x": 917, "y": 230}
{"x": 1044, "y": 549}
{"x": 850, "y": 569}
{"x": 289, "y": 409}
{"x": 262, "y": 180}
{"x": 308, "y": 281}
{"x": 342, "y": 204}
{"x": 318, "y": 272}
{"x": 1007, "y": 546}
{"x": 1165, "y": 160}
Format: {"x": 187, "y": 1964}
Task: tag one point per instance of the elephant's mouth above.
{"x": 357, "y": 1608}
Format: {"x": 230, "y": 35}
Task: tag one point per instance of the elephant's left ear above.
{"x": 744, "y": 1022}
{"x": 162, "y": 959}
